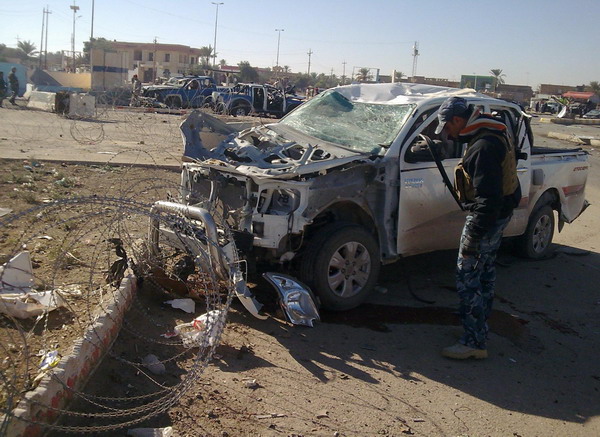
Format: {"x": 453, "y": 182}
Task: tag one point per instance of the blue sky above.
{"x": 532, "y": 41}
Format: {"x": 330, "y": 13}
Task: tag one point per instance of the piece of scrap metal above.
{"x": 296, "y": 299}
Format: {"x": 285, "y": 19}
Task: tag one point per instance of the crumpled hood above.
{"x": 262, "y": 151}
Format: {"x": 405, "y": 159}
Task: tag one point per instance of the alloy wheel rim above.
{"x": 349, "y": 269}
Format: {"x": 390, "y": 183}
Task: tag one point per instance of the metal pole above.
{"x": 46, "y": 40}
{"x": 92, "y": 30}
{"x": 75, "y": 9}
{"x": 310, "y": 52}
{"x": 215, "y": 42}
{"x": 278, "y": 40}
{"x": 42, "y": 41}
{"x": 92, "y": 49}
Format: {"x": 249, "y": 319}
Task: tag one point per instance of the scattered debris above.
{"x": 204, "y": 326}
{"x": 187, "y": 305}
{"x": 295, "y": 298}
{"x": 322, "y": 414}
{"x": 16, "y": 297}
{"x": 269, "y": 416}
{"x": 151, "y": 432}
{"x": 251, "y": 383}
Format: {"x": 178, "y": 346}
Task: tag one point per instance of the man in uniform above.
{"x": 14, "y": 84}
{"x": 487, "y": 184}
{"x": 2, "y": 88}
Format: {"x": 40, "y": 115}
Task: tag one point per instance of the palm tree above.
{"x": 205, "y": 54}
{"x": 364, "y": 75}
{"x": 498, "y": 77}
{"x": 398, "y": 77}
{"x": 27, "y": 47}
{"x": 222, "y": 63}
{"x": 595, "y": 86}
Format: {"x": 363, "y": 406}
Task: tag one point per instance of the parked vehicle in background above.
{"x": 243, "y": 99}
{"x": 594, "y": 113}
{"x": 348, "y": 182}
{"x": 551, "y": 107}
{"x": 183, "y": 92}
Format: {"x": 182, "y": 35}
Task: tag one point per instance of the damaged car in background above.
{"x": 347, "y": 182}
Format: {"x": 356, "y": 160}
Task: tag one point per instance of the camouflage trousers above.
{"x": 475, "y": 279}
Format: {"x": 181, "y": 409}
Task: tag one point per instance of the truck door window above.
{"x": 418, "y": 151}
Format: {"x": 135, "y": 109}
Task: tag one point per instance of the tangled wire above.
{"x": 96, "y": 272}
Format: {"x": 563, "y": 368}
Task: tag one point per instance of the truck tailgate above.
{"x": 567, "y": 171}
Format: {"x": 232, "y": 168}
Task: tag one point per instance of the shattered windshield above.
{"x": 363, "y": 127}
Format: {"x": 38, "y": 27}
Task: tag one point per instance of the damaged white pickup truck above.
{"x": 346, "y": 182}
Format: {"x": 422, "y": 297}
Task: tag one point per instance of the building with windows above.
{"x": 152, "y": 60}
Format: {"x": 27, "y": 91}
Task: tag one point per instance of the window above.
{"x": 137, "y": 55}
{"x": 192, "y": 60}
{"x": 167, "y": 57}
{"x": 151, "y": 56}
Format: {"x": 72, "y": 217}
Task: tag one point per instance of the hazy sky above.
{"x": 532, "y": 41}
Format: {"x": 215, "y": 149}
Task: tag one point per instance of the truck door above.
{"x": 428, "y": 216}
{"x": 258, "y": 98}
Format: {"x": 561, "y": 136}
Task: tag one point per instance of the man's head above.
{"x": 453, "y": 116}
{"x": 14, "y": 69}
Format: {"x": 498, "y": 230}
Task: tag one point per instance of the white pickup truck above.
{"x": 342, "y": 185}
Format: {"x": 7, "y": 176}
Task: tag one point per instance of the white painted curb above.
{"x": 73, "y": 370}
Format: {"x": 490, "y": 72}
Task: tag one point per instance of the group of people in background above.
{"x": 13, "y": 85}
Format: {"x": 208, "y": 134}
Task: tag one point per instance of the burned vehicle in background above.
{"x": 340, "y": 186}
{"x": 266, "y": 100}
{"x": 184, "y": 92}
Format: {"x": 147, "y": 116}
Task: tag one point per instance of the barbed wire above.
{"x": 81, "y": 249}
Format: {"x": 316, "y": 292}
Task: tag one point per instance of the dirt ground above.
{"x": 377, "y": 370}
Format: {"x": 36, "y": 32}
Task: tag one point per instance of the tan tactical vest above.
{"x": 463, "y": 184}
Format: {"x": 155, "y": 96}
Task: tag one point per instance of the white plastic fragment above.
{"x": 202, "y": 329}
{"x": 151, "y": 432}
{"x": 187, "y": 305}
{"x": 251, "y": 383}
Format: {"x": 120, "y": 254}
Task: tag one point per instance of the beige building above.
{"x": 149, "y": 60}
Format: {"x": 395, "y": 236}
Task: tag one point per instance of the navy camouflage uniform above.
{"x": 14, "y": 86}
{"x": 489, "y": 213}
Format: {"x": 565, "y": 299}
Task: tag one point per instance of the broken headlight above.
{"x": 280, "y": 201}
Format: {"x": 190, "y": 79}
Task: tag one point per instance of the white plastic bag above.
{"x": 203, "y": 329}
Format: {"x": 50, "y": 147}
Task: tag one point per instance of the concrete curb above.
{"x": 571, "y": 121}
{"x": 56, "y": 388}
{"x": 577, "y": 139}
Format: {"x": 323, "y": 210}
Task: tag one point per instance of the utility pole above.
{"x": 310, "y": 52}
{"x": 415, "y": 56}
{"x": 344, "y": 73}
{"x": 75, "y": 8}
{"x": 154, "y": 63}
{"x": 278, "y": 40}
{"x": 92, "y": 48}
{"x": 46, "y": 41}
{"x": 215, "y": 42}
{"x": 42, "y": 41}
{"x": 92, "y": 29}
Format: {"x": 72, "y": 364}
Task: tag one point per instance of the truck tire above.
{"x": 341, "y": 265}
{"x": 240, "y": 110}
{"x": 536, "y": 242}
{"x": 173, "y": 103}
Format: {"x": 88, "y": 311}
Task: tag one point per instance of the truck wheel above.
{"x": 240, "y": 110}
{"x": 173, "y": 103}
{"x": 341, "y": 265}
{"x": 536, "y": 242}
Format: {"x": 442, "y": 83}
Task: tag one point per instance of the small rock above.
{"x": 152, "y": 363}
